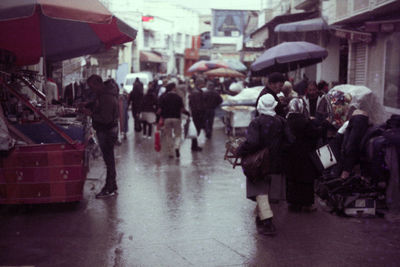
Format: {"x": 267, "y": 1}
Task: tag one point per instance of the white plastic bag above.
{"x": 192, "y": 132}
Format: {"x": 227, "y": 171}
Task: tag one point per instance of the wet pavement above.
{"x": 190, "y": 211}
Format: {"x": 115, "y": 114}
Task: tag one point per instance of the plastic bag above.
{"x": 192, "y": 132}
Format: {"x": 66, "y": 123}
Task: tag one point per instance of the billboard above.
{"x": 228, "y": 23}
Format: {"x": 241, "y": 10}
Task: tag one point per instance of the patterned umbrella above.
{"x": 199, "y": 66}
{"x": 205, "y": 65}
{"x": 224, "y": 72}
{"x": 58, "y": 29}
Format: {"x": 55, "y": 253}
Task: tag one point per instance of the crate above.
{"x": 43, "y": 173}
{"x": 230, "y": 153}
{"x": 361, "y": 207}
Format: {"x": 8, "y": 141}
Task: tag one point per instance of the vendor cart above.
{"x": 42, "y": 162}
{"x": 237, "y": 119}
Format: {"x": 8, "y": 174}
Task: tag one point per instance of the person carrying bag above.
{"x": 262, "y": 150}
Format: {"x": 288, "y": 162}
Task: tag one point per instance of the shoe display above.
{"x": 104, "y": 193}
{"x": 266, "y": 227}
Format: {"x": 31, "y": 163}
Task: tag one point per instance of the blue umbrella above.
{"x": 288, "y": 56}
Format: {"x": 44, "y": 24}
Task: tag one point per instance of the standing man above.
{"x": 211, "y": 101}
{"x": 196, "y": 105}
{"x": 274, "y": 87}
{"x": 136, "y": 98}
{"x": 170, "y": 109}
{"x": 104, "y": 112}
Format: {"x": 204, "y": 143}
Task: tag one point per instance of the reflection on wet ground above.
{"x": 190, "y": 211}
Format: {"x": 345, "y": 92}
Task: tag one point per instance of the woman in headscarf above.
{"x": 300, "y": 171}
{"x": 266, "y": 130}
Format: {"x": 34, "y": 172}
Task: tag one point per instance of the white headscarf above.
{"x": 266, "y": 105}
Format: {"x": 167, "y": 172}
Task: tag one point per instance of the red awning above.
{"x": 150, "y": 57}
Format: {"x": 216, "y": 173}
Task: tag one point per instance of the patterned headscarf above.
{"x": 296, "y": 105}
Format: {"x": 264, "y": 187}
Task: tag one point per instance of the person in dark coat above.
{"x": 300, "y": 171}
{"x": 197, "y": 108}
{"x": 266, "y": 130}
{"x": 211, "y": 101}
{"x": 274, "y": 87}
{"x": 105, "y": 114}
{"x": 148, "y": 111}
{"x": 135, "y": 100}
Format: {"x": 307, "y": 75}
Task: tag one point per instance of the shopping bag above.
{"x": 323, "y": 157}
{"x": 157, "y": 140}
{"x": 256, "y": 166}
{"x": 192, "y": 132}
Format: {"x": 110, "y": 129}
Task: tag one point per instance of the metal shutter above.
{"x": 360, "y": 63}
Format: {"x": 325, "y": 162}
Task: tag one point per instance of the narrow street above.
{"x": 190, "y": 211}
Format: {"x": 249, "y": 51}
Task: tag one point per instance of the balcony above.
{"x": 358, "y": 10}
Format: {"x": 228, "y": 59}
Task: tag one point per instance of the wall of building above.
{"x": 328, "y": 70}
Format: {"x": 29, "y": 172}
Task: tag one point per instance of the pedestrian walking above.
{"x": 211, "y": 101}
{"x": 104, "y": 112}
{"x": 170, "y": 109}
{"x": 148, "y": 111}
{"x": 124, "y": 114}
{"x": 300, "y": 170}
{"x": 135, "y": 101}
{"x": 274, "y": 87}
{"x": 266, "y": 130}
{"x": 197, "y": 109}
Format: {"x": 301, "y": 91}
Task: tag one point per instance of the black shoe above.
{"x": 177, "y": 154}
{"x": 197, "y": 148}
{"x": 266, "y": 227}
{"x": 104, "y": 193}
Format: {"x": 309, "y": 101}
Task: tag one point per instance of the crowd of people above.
{"x": 292, "y": 122}
{"x": 162, "y": 105}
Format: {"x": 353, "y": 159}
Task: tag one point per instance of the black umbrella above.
{"x": 288, "y": 56}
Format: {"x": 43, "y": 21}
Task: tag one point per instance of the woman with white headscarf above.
{"x": 300, "y": 171}
{"x": 266, "y": 130}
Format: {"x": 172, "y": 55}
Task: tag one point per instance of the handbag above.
{"x": 256, "y": 166}
{"x": 324, "y": 157}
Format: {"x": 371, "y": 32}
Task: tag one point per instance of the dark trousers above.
{"x": 209, "y": 115}
{"x": 136, "y": 121}
{"x": 147, "y": 128}
{"x": 107, "y": 139}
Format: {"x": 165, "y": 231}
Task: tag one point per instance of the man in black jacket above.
{"x": 211, "y": 101}
{"x": 105, "y": 114}
{"x": 170, "y": 109}
{"x": 136, "y": 98}
{"x": 275, "y": 84}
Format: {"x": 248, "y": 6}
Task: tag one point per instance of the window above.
{"x": 178, "y": 42}
{"x": 187, "y": 41}
{"x": 392, "y": 72}
{"x": 146, "y": 38}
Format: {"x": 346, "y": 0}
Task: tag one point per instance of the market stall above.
{"x": 44, "y": 152}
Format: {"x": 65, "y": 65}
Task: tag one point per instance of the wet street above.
{"x": 190, "y": 211}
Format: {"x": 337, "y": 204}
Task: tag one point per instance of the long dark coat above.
{"x": 265, "y": 131}
{"x": 299, "y": 169}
